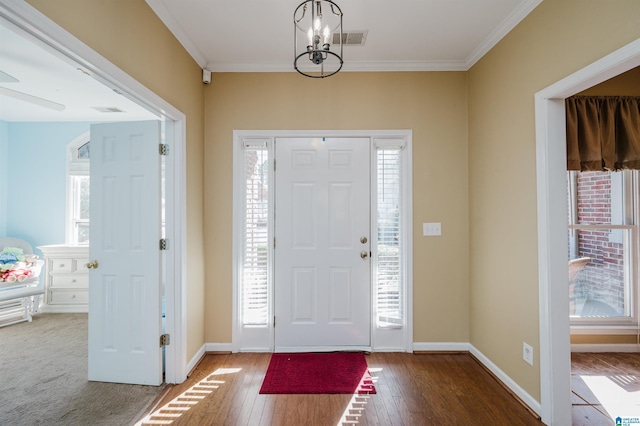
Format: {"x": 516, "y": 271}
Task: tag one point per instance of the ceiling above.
{"x": 30, "y": 70}
{"x": 403, "y": 35}
{"x": 257, "y": 36}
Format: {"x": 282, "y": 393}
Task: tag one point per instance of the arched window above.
{"x": 77, "y": 223}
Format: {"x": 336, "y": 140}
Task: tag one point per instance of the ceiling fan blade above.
{"x": 6, "y": 78}
{"x": 32, "y": 99}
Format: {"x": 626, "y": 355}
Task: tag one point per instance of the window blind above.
{"x": 255, "y": 237}
{"x": 389, "y": 279}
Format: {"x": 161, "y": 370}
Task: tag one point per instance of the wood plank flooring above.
{"x": 604, "y": 386}
{"x": 412, "y": 389}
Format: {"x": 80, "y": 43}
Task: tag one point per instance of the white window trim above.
{"x": 387, "y": 339}
{"x": 74, "y": 167}
{"x": 247, "y": 339}
{"x": 260, "y": 340}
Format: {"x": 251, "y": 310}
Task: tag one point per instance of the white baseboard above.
{"x": 391, "y": 349}
{"x": 608, "y": 347}
{"x": 441, "y": 347}
{"x": 508, "y": 381}
{"x": 194, "y": 360}
{"x": 218, "y": 347}
{"x": 207, "y": 347}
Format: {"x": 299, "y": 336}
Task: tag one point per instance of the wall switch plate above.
{"x": 431, "y": 229}
{"x": 527, "y": 353}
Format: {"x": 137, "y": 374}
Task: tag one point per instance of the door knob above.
{"x": 363, "y": 240}
{"x": 92, "y": 265}
{"x": 364, "y": 254}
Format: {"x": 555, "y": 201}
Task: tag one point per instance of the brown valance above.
{"x": 603, "y": 132}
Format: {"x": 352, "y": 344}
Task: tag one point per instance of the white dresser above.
{"x": 66, "y": 278}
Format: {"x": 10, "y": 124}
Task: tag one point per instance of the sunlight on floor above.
{"x": 358, "y": 402}
{"x": 618, "y": 395}
{"x": 175, "y": 408}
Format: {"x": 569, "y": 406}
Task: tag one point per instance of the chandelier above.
{"x": 318, "y": 38}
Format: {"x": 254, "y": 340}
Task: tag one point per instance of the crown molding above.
{"x": 501, "y": 31}
{"x": 350, "y": 66}
{"x": 405, "y": 66}
{"x": 161, "y": 10}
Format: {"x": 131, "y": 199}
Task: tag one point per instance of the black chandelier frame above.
{"x": 315, "y": 51}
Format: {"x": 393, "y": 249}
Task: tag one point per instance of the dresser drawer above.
{"x": 61, "y": 265}
{"x": 80, "y": 265}
{"x": 69, "y": 281}
{"x": 68, "y": 297}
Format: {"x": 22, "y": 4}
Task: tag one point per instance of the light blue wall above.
{"x": 4, "y": 148}
{"x": 36, "y": 180}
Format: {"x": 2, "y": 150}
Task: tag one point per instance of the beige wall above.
{"x": 474, "y": 158}
{"x": 130, "y": 35}
{"x": 558, "y": 38}
{"x": 433, "y": 105}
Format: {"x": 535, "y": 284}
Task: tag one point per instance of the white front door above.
{"x": 124, "y": 289}
{"x": 322, "y": 268}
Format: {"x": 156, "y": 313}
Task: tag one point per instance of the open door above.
{"x": 124, "y": 277}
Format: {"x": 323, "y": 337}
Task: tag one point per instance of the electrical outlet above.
{"x": 527, "y": 353}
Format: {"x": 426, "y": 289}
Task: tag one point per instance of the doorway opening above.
{"x": 305, "y": 207}
{"x": 552, "y": 226}
{"x": 33, "y": 25}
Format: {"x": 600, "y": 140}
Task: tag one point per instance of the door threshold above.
{"x": 296, "y": 349}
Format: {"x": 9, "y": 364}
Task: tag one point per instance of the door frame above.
{"x": 37, "y": 26}
{"x": 262, "y": 338}
{"x": 555, "y": 351}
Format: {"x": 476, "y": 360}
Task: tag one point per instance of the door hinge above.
{"x": 274, "y": 321}
{"x": 165, "y": 339}
{"x": 274, "y": 243}
{"x": 274, "y": 164}
{"x": 164, "y": 244}
{"x": 164, "y": 149}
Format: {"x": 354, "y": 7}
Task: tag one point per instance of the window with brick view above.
{"x": 603, "y": 287}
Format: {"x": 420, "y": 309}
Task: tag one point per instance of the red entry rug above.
{"x": 336, "y": 372}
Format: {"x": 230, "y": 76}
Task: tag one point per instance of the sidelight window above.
{"x": 255, "y": 250}
{"x": 389, "y": 281}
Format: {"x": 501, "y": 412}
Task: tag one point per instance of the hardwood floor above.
{"x": 604, "y": 386}
{"x": 412, "y": 389}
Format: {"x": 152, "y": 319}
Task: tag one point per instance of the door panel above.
{"x": 124, "y": 291}
{"x": 322, "y": 284}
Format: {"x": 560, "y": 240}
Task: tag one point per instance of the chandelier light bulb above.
{"x": 327, "y": 33}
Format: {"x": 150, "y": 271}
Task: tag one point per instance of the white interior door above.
{"x": 125, "y": 290}
{"x": 322, "y": 268}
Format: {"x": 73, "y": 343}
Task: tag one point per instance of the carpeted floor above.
{"x": 43, "y": 378}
